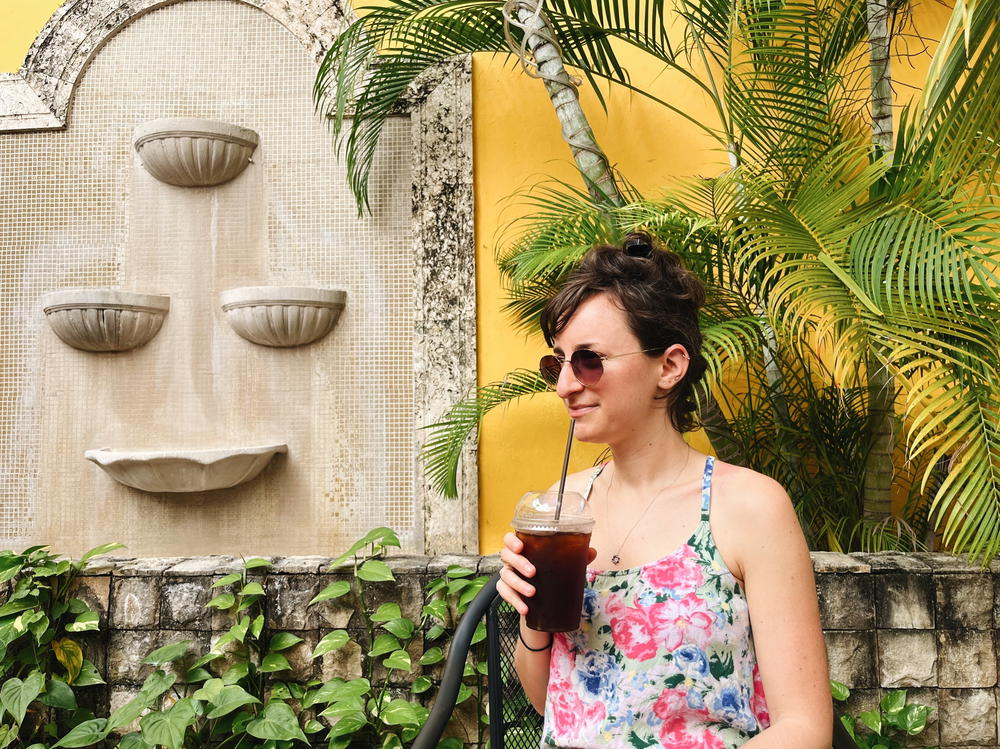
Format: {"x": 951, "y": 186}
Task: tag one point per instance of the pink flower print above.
{"x": 758, "y": 705}
{"x": 674, "y": 733}
{"x": 571, "y": 717}
{"x": 634, "y": 630}
{"x": 685, "y": 620}
{"x": 670, "y": 703}
{"x": 679, "y": 571}
{"x": 561, "y": 659}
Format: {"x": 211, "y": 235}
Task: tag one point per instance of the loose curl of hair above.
{"x": 660, "y": 298}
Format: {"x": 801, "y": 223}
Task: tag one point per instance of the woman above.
{"x": 700, "y": 625}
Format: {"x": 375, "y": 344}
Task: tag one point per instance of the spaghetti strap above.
{"x": 593, "y": 478}
{"x": 706, "y": 487}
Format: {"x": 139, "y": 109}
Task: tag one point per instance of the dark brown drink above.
{"x": 560, "y": 559}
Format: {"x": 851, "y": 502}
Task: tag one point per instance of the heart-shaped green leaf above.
{"x": 16, "y": 695}
{"x": 283, "y": 641}
{"x": 274, "y": 662}
{"x": 277, "y": 723}
{"x": 333, "y": 590}
{"x": 375, "y": 570}
{"x": 331, "y": 641}
{"x": 399, "y": 660}
{"x": 168, "y": 653}
{"x": 386, "y": 612}
{"x": 384, "y": 643}
{"x": 230, "y": 698}
{"x": 85, "y": 734}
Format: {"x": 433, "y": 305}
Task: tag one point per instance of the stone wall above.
{"x": 926, "y": 622}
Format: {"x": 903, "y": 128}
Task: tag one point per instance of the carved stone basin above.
{"x": 282, "y": 315}
{"x": 104, "y": 319}
{"x": 184, "y": 470}
{"x": 190, "y": 152}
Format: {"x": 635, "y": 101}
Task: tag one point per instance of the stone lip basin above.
{"x": 191, "y": 152}
{"x": 184, "y": 471}
{"x": 282, "y": 316}
{"x": 104, "y": 319}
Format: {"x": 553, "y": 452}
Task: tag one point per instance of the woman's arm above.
{"x": 772, "y": 557}
{"x": 532, "y": 666}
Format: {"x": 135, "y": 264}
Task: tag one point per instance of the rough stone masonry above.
{"x": 923, "y": 622}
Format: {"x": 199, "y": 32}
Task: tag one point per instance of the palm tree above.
{"x": 815, "y": 246}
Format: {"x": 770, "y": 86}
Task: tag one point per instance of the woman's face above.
{"x": 623, "y": 402}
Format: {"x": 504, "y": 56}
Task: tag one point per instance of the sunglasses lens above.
{"x": 587, "y": 366}
{"x": 550, "y": 367}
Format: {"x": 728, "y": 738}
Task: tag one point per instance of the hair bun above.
{"x": 638, "y": 244}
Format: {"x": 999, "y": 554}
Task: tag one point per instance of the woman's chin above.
{"x": 584, "y": 432}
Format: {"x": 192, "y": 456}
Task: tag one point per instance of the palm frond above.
{"x": 952, "y": 133}
{"x": 795, "y": 83}
{"x": 954, "y": 413}
{"x": 443, "y": 449}
{"x": 930, "y": 258}
{"x": 728, "y": 343}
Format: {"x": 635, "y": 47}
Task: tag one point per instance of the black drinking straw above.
{"x": 562, "y": 479}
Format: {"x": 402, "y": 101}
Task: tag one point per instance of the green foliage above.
{"x": 836, "y": 274}
{"x": 238, "y": 694}
{"x": 887, "y": 727}
{"x": 41, "y": 656}
{"x": 365, "y": 709}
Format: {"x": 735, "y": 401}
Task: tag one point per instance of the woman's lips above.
{"x": 575, "y": 412}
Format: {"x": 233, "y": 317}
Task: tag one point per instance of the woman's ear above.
{"x": 673, "y": 366}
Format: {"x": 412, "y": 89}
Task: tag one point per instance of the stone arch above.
{"x": 38, "y": 96}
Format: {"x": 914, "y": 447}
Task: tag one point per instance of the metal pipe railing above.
{"x": 454, "y": 667}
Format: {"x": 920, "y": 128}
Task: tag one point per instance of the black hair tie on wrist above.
{"x": 637, "y": 247}
{"x": 552, "y": 638}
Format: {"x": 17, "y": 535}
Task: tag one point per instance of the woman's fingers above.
{"x": 510, "y": 555}
{"x": 509, "y": 593}
{"x": 513, "y": 586}
{"x": 512, "y": 542}
{"x": 591, "y": 554}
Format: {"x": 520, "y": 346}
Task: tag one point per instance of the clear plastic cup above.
{"x": 558, "y": 550}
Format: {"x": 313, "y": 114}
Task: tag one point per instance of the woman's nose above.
{"x": 567, "y": 384}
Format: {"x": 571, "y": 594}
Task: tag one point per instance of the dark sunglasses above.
{"x": 588, "y": 366}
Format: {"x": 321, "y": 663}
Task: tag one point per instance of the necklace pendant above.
{"x": 616, "y": 559}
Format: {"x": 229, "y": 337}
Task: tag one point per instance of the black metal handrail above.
{"x": 454, "y": 667}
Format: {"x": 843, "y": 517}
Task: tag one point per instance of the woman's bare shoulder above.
{"x": 745, "y": 491}
{"x": 752, "y": 515}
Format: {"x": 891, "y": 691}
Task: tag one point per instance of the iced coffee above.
{"x": 557, "y": 547}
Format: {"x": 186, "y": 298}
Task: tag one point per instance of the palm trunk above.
{"x": 589, "y": 157}
{"x": 881, "y": 75}
{"x": 877, "y": 491}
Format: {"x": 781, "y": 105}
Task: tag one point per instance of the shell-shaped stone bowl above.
{"x": 282, "y": 315}
{"x": 190, "y": 152}
{"x": 184, "y": 471}
{"x": 104, "y": 319}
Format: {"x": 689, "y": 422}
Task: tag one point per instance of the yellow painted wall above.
{"x": 20, "y": 22}
{"x": 517, "y": 143}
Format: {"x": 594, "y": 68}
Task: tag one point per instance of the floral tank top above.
{"x": 663, "y": 656}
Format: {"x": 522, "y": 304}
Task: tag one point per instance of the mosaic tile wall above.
{"x": 78, "y": 209}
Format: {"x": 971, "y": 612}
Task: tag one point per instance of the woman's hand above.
{"x": 513, "y": 586}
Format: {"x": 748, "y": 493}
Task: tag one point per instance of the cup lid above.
{"x": 536, "y": 511}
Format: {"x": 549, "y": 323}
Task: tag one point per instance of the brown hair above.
{"x": 660, "y": 298}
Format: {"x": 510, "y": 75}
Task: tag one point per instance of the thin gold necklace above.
{"x": 615, "y": 558}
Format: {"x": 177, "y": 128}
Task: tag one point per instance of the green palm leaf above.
{"x": 443, "y": 448}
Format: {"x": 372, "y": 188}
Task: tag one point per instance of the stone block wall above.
{"x": 924, "y": 622}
